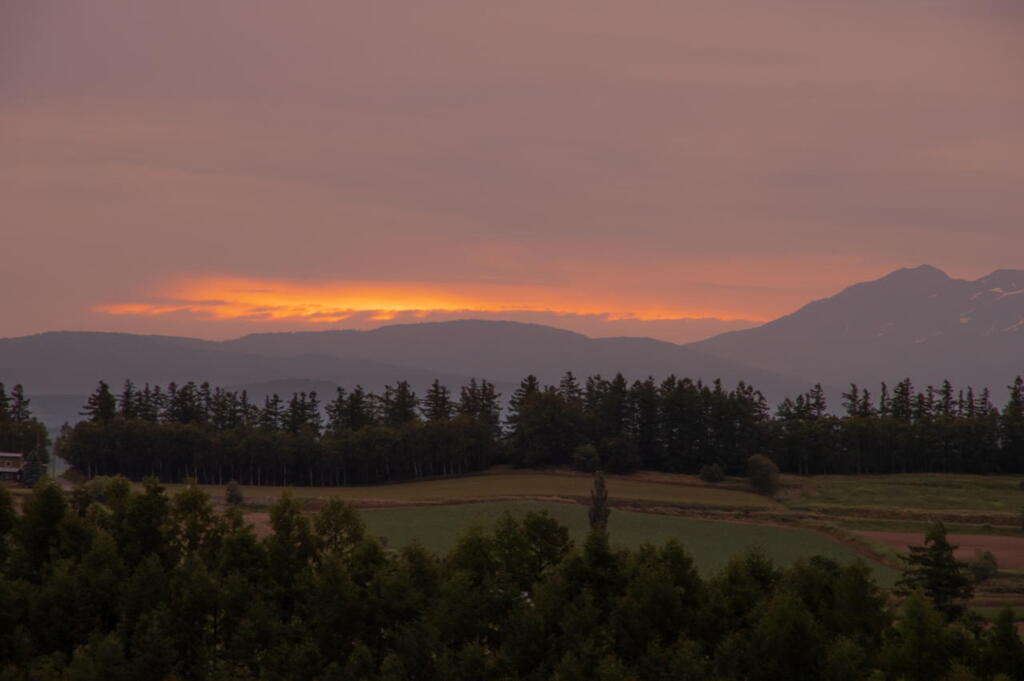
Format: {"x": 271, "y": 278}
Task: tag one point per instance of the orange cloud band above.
{"x": 229, "y": 298}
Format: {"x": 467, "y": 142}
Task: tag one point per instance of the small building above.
{"x": 11, "y": 466}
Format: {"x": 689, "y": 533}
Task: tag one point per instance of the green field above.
{"x": 711, "y": 543}
{"x": 979, "y": 493}
{"x": 505, "y": 484}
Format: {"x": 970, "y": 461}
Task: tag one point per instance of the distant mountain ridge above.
{"x": 56, "y": 367}
{"x": 918, "y": 323}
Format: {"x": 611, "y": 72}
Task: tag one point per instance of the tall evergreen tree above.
{"x": 101, "y": 407}
{"x": 599, "y": 508}
{"x": 20, "y": 412}
{"x": 935, "y": 570}
{"x": 437, "y": 403}
{"x": 400, "y": 404}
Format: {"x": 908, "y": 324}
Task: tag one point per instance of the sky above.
{"x": 670, "y": 169}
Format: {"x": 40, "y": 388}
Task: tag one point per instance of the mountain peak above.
{"x": 1008, "y": 280}
{"x": 926, "y": 273}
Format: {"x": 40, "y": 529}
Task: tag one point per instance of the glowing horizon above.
{"x": 318, "y": 303}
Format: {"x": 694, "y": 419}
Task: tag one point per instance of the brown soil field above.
{"x": 1009, "y": 551}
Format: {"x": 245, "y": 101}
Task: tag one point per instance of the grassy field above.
{"x": 711, "y": 543}
{"x": 992, "y": 494}
{"x": 506, "y": 484}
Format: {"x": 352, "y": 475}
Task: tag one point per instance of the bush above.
{"x": 233, "y": 494}
{"x": 712, "y": 473}
{"x": 763, "y": 474}
{"x": 984, "y": 566}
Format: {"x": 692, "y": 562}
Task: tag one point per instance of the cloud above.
{"x": 653, "y": 159}
{"x": 362, "y": 305}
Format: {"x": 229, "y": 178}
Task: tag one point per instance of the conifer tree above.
{"x": 336, "y": 421}
{"x": 400, "y": 404}
{"x": 569, "y": 388}
{"x": 101, "y": 406}
{"x": 1013, "y": 426}
{"x": 19, "y": 405}
{"x": 5, "y": 405}
{"x": 359, "y": 409}
{"x": 128, "y": 401}
{"x": 437, "y": 403}
{"x": 599, "y": 509}
{"x": 851, "y": 401}
{"x": 529, "y": 386}
{"x": 934, "y": 569}
{"x": 270, "y": 415}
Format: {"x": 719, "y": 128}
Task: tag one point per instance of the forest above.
{"x": 676, "y": 425}
{"x": 120, "y": 582}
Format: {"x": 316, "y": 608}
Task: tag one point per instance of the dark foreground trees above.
{"x": 118, "y": 583}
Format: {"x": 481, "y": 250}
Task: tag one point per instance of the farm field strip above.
{"x": 938, "y": 492}
{"x": 711, "y": 543}
{"x": 1009, "y": 551}
{"x": 511, "y": 485}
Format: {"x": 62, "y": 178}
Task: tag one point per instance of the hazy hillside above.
{"x": 913, "y": 322}
{"x": 59, "y": 369}
{"x": 507, "y": 351}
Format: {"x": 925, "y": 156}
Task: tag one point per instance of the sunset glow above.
{"x": 268, "y": 300}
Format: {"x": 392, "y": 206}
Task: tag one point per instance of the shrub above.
{"x": 233, "y": 494}
{"x": 984, "y": 566}
{"x": 763, "y": 474}
{"x": 711, "y": 472}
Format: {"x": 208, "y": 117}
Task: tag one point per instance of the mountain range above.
{"x": 916, "y": 323}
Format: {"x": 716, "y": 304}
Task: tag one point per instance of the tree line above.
{"x": 216, "y": 435}
{"x": 676, "y": 425}
{"x": 116, "y": 583}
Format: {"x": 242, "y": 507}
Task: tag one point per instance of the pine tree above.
{"x": 5, "y": 405}
{"x": 101, "y": 406}
{"x": 851, "y": 401}
{"x": 529, "y": 386}
{"x": 479, "y": 401}
{"x": 19, "y": 405}
{"x": 437, "y": 403}
{"x": 128, "y": 401}
{"x": 934, "y": 569}
{"x": 569, "y": 388}
{"x": 947, "y": 404}
{"x": 400, "y": 404}
{"x": 1012, "y": 426}
{"x": 816, "y": 400}
{"x": 884, "y": 401}
{"x": 336, "y": 421}
{"x": 903, "y": 400}
{"x": 270, "y": 415}
{"x": 359, "y": 409}
{"x": 599, "y": 509}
